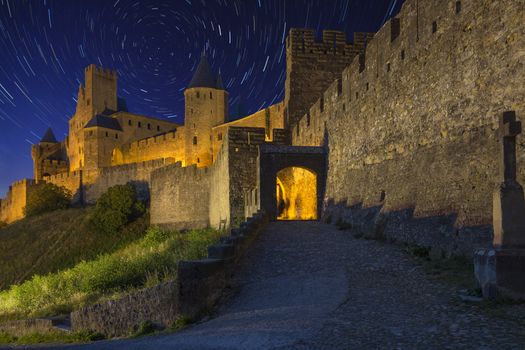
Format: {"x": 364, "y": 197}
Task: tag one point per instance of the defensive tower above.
{"x": 206, "y": 106}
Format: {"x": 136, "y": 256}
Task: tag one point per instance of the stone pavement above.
{"x": 307, "y": 285}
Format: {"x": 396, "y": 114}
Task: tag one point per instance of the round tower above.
{"x": 206, "y": 106}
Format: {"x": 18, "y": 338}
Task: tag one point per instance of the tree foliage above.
{"x": 115, "y": 208}
{"x": 45, "y": 198}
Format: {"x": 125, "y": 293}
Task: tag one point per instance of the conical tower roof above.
{"x": 203, "y": 77}
{"x": 49, "y": 136}
{"x": 220, "y": 85}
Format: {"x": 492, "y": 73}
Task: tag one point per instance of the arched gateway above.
{"x": 291, "y": 181}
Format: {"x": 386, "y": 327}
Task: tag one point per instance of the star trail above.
{"x": 155, "y": 46}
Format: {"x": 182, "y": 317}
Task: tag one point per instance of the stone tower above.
{"x": 206, "y": 106}
{"x": 98, "y": 96}
{"x": 312, "y": 65}
{"x": 48, "y": 156}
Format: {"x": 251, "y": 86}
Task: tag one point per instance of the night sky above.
{"x": 154, "y": 45}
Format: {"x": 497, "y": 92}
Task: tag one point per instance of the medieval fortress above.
{"x": 399, "y": 129}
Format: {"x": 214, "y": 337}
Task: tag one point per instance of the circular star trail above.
{"x": 154, "y": 45}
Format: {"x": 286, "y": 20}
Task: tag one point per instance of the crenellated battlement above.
{"x": 303, "y": 42}
{"x": 100, "y": 71}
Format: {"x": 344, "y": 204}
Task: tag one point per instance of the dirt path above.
{"x": 306, "y": 285}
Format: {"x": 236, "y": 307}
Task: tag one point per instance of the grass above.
{"x": 147, "y": 261}
{"x": 54, "y": 337}
{"x": 56, "y": 241}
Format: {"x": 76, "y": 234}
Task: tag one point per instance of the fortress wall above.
{"x": 270, "y": 118}
{"x": 12, "y": 207}
{"x": 72, "y": 181}
{"x": 220, "y": 188}
{"x": 411, "y": 126}
{"x": 311, "y": 65}
{"x": 168, "y": 145}
{"x": 243, "y": 149}
{"x": 139, "y": 174}
{"x": 180, "y": 197}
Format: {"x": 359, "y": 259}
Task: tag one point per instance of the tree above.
{"x": 117, "y": 207}
{"x": 45, "y": 198}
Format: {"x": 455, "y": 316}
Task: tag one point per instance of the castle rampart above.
{"x": 12, "y": 207}
{"x": 411, "y": 125}
{"x": 180, "y": 196}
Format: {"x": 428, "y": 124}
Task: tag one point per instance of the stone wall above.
{"x": 139, "y": 174}
{"x": 220, "y": 188}
{"x": 312, "y": 65}
{"x": 168, "y": 145}
{"x": 12, "y": 206}
{"x": 180, "y": 197}
{"x": 71, "y": 181}
{"x": 122, "y": 317}
{"x": 410, "y": 126}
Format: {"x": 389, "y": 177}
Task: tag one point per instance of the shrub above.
{"x": 117, "y": 207}
{"x": 47, "y": 197}
{"x": 2, "y": 224}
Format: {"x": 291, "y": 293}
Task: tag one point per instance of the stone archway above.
{"x": 291, "y": 181}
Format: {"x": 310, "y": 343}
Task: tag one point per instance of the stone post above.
{"x": 500, "y": 271}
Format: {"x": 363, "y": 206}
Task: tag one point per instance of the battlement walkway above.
{"x": 307, "y": 285}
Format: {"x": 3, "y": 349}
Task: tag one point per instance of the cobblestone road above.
{"x": 307, "y": 285}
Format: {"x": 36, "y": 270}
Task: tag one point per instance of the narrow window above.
{"x": 388, "y": 67}
{"x": 88, "y": 101}
{"x": 116, "y": 136}
{"x": 194, "y": 140}
{"x": 107, "y": 134}
{"x": 198, "y": 94}
{"x": 434, "y": 27}
{"x": 458, "y": 7}
{"x": 149, "y": 126}
{"x": 211, "y": 96}
{"x": 91, "y": 133}
{"x": 140, "y": 125}
{"x": 198, "y": 160}
{"x": 219, "y": 137}
{"x": 129, "y": 122}
{"x": 367, "y": 86}
{"x": 357, "y": 95}
{"x": 158, "y": 128}
{"x": 402, "y": 54}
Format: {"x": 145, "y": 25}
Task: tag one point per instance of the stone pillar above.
{"x": 500, "y": 271}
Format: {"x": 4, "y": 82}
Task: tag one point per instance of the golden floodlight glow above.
{"x": 296, "y": 194}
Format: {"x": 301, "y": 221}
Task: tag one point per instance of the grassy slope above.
{"x": 146, "y": 261}
{"x": 56, "y": 241}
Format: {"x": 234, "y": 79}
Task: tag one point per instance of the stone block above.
{"x": 221, "y": 251}
{"x": 501, "y": 272}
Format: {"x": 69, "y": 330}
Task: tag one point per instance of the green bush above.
{"x": 45, "y": 198}
{"x": 117, "y": 207}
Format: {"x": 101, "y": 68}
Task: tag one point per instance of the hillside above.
{"x": 56, "y": 241}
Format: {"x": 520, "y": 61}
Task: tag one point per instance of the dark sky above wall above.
{"x": 155, "y": 46}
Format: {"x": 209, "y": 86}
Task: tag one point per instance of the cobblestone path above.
{"x": 307, "y": 285}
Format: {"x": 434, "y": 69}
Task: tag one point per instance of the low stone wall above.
{"x": 29, "y": 326}
{"x": 122, "y": 317}
{"x": 198, "y": 287}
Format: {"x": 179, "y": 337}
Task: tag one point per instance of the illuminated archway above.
{"x": 296, "y": 194}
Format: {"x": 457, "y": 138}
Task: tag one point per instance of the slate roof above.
{"x": 104, "y": 122}
{"x": 49, "y": 136}
{"x": 203, "y": 77}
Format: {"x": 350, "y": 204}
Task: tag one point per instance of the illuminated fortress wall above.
{"x": 410, "y": 126}
{"x": 12, "y": 207}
